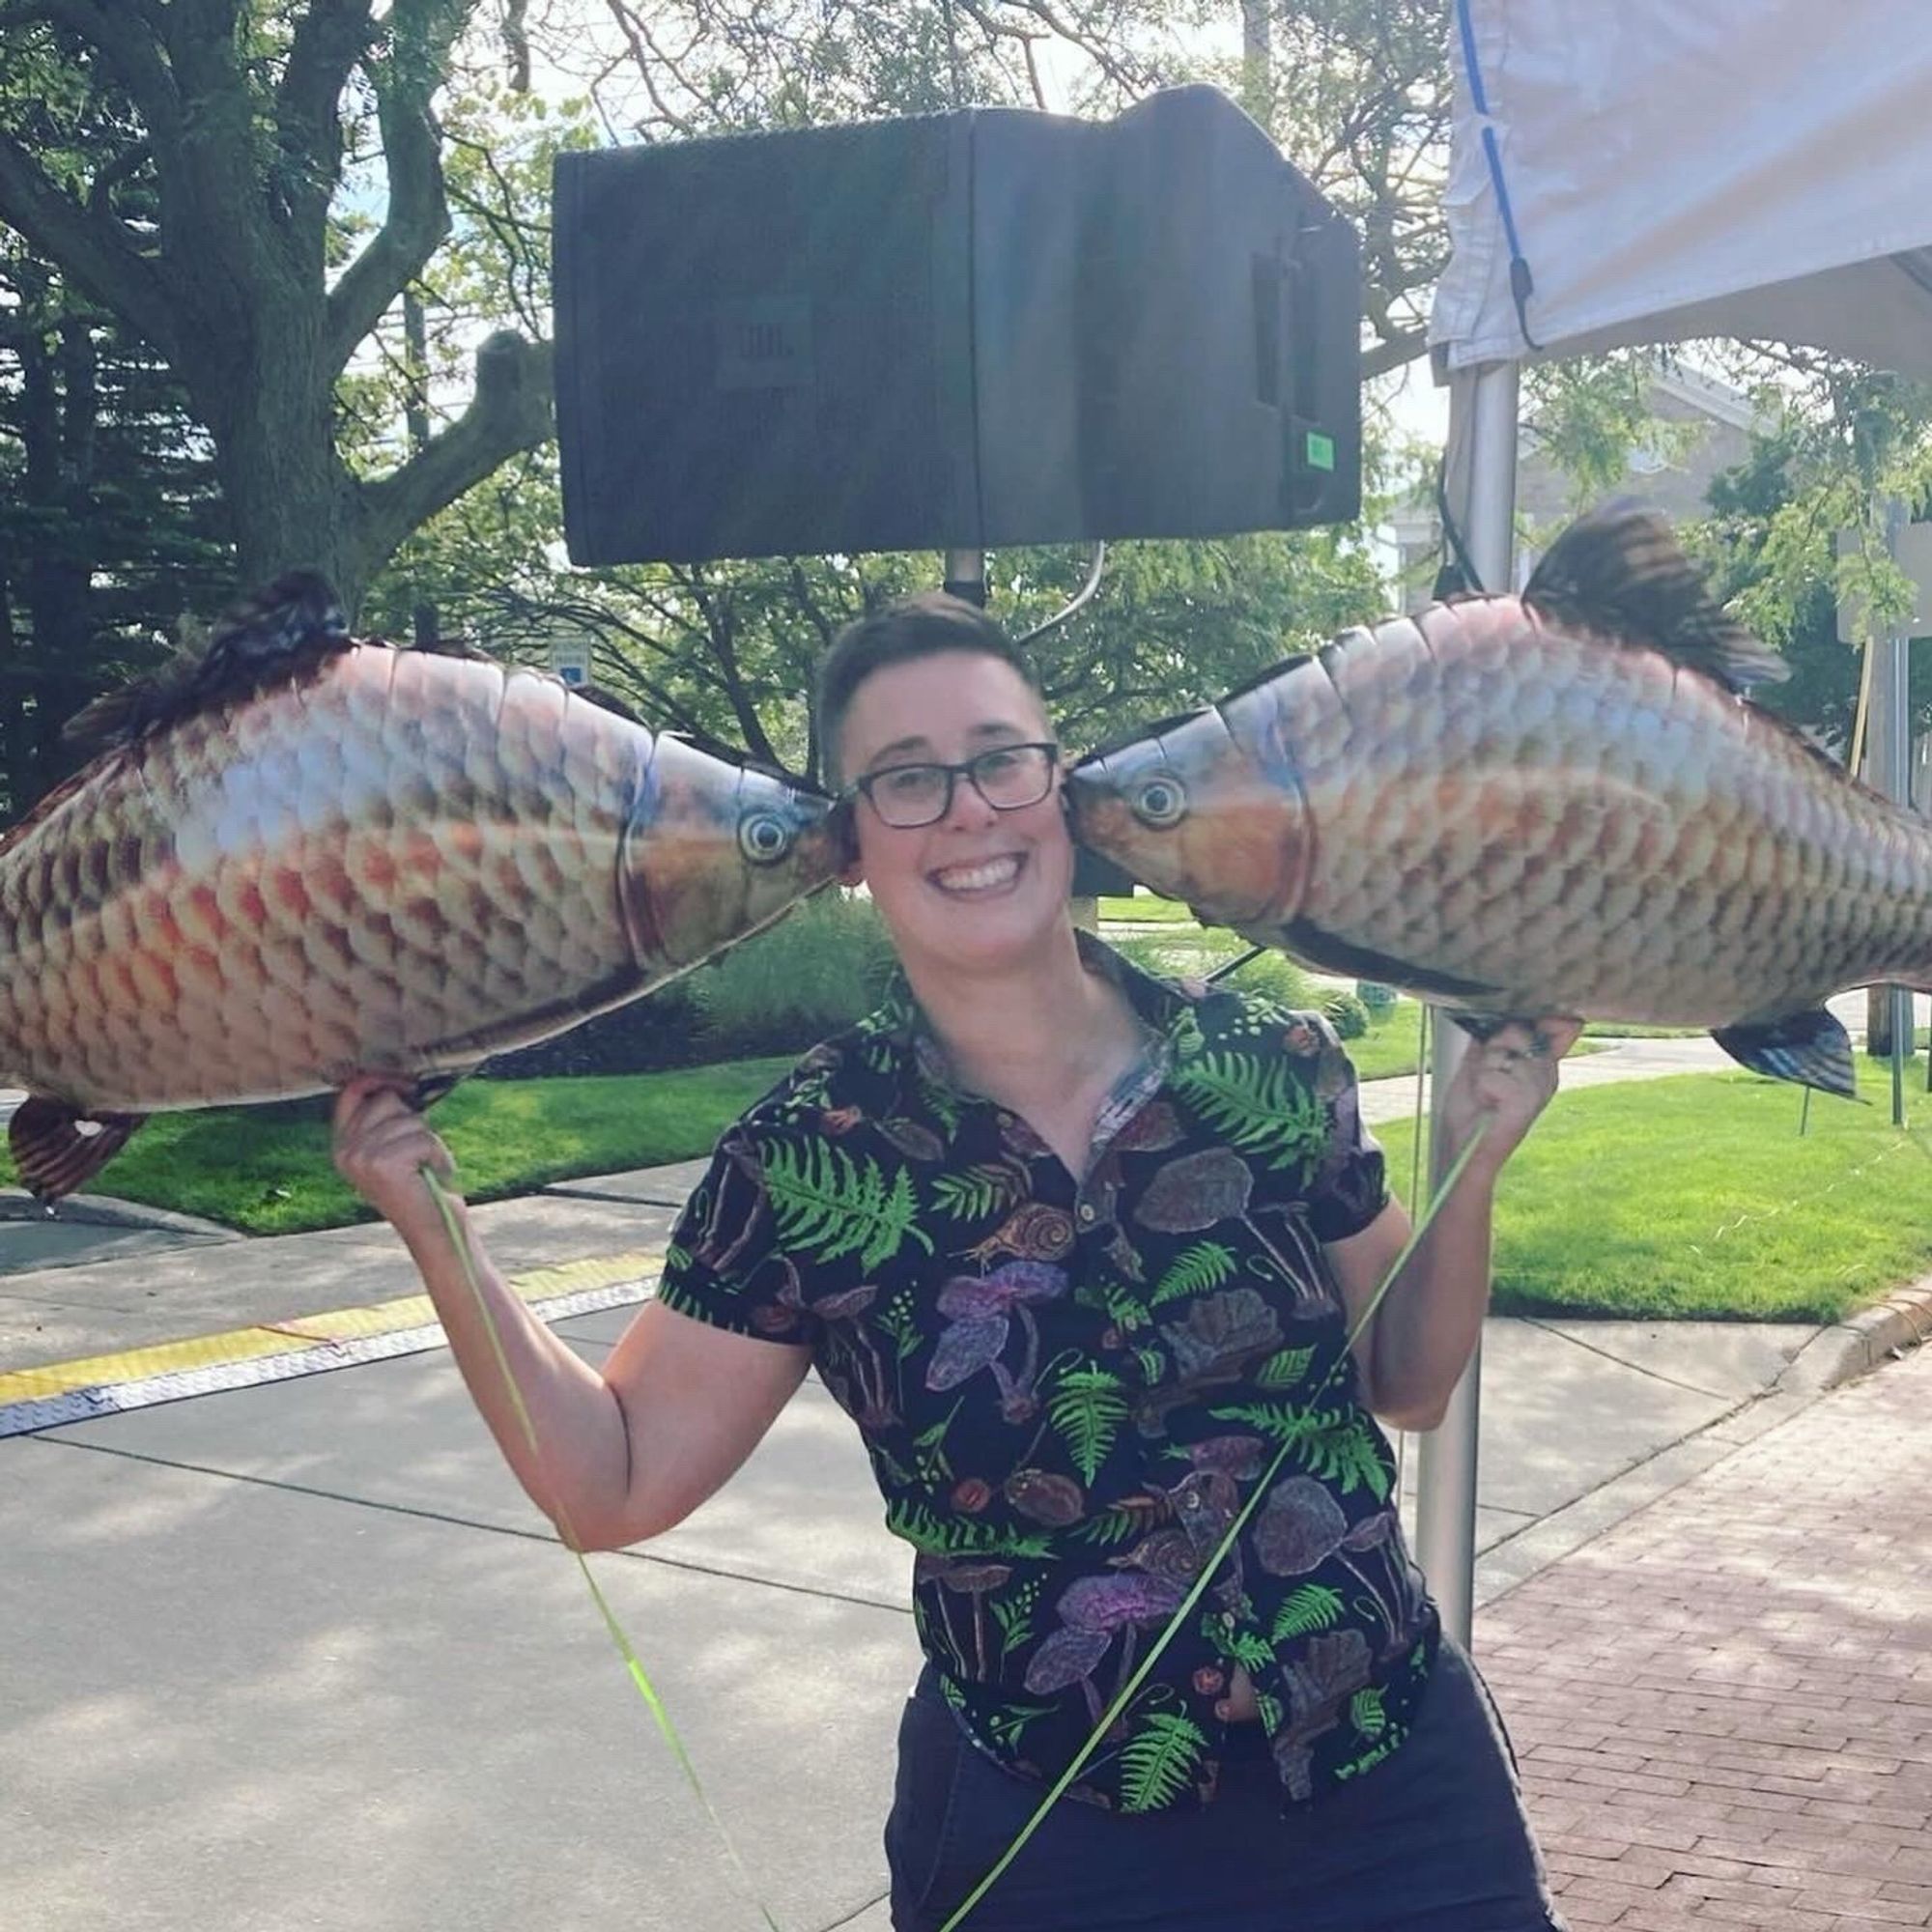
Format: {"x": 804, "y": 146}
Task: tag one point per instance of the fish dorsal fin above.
{"x": 1621, "y": 569}
{"x": 286, "y": 631}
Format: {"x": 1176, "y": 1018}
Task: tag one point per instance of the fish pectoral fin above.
{"x": 57, "y": 1147}
{"x": 1620, "y": 569}
{"x": 435, "y": 1087}
{"x": 1310, "y": 942}
{"x": 1811, "y": 1048}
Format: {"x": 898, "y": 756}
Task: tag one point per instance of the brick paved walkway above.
{"x": 1723, "y": 1707}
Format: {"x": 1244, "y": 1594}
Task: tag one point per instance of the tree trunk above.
{"x": 57, "y": 434}
{"x": 272, "y": 422}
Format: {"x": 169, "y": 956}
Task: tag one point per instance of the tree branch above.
{"x": 94, "y": 249}
{"x": 1404, "y": 345}
{"x": 127, "y": 50}
{"x": 329, "y": 39}
{"x": 417, "y": 220}
{"x": 509, "y": 412}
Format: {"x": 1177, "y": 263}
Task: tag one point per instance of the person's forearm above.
{"x": 577, "y": 1470}
{"x": 1432, "y": 1318}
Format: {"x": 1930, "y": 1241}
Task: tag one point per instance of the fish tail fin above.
{"x": 58, "y": 1149}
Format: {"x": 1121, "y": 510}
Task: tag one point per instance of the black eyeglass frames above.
{"x": 1008, "y": 776}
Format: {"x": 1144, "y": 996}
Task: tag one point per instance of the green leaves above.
{"x": 1205, "y": 1265}
{"x": 1329, "y": 1444}
{"x": 1088, "y": 1411}
{"x": 1366, "y": 1714}
{"x": 983, "y": 1190}
{"x": 830, "y": 1205}
{"x": 1349, "y": 1458}
{"x": 1283, "y": 1370}
{"x": 1260, "y": 1106}
{"x": 1313, "y": 1607}
{"x": 959, "y": 1536}
{"x": 1159, "y": 1760}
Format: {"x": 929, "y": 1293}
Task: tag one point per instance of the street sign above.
{"x": 570, "y": 659}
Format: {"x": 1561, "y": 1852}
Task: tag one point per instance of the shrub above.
{"x": 820, "y": 969}
{"x": 815, "y": 972}
{"x": 1373, "y": 995}
{"x": 1279, "y": 978}
{"x": 1347, "y": 1014}
{"x": 663, "y": 1030}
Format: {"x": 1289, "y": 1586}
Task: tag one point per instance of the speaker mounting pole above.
{"x": 966, "y": 576}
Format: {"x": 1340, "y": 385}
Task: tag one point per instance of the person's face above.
{"x": 978, "y": 886}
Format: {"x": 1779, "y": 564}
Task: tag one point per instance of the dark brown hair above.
{"x": 899, "y": 633}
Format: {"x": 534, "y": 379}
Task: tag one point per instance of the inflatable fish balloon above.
{"x": 1557, "y": 803}
{"x": 305, "y": 856}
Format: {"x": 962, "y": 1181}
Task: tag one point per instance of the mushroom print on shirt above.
{"x": 1069, "y": 1389}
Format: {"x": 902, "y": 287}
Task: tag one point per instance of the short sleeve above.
{"x": 1349, "y": 1186}
{"x": 723, "y": 1265}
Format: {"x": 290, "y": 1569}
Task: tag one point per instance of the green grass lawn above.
{"x": 1691, "y": 1197}
{"x": 1144, "y": 909}
{"x": 1695, "y": 1197}
{"x": 267, "y": 1174}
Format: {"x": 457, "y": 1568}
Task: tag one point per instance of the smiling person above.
{"x": 1078, "y": 1250}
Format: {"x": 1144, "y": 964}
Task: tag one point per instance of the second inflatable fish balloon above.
{"x": 305, "y": 856}
{"x": 1557, "y": 803}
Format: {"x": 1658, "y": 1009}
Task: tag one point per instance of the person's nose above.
{"x": 969, "y": 811}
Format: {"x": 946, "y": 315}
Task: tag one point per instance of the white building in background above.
{"x": 1701, "y": 428}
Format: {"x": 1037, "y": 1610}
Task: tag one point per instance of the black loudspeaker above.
{"x": 962, "y": 330}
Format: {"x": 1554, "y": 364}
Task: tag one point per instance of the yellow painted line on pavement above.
{"x": 138, "y": 1364}
{"x": 337, "y": 1338}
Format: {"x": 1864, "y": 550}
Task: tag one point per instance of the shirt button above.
{"x": 1191, "y": 1501}
{"x": 1086, "y": 1211}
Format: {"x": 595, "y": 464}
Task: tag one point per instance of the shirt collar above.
{"x": 1163, "y": 1008}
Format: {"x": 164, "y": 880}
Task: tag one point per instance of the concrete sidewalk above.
{"x": 295, "y": 1652}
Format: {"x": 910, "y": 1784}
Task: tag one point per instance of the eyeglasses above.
{"x": 1008, "y": 777}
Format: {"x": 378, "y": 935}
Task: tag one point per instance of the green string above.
{"x": 625, "y": 1648}
{"x": 1126, "y": 1693}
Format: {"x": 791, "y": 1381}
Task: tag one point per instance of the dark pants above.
{"x": 1431, "y": 1840}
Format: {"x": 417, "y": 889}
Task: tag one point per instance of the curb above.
{"x": 99, "y": 1211}
{"x": 1847, "y": 1349}
{"x": 59, "y": 1393}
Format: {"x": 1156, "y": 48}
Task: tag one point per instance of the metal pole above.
{"x": 1481, "y": 489}
{"x": 966, "y": 575}
{"x": 1894, "y": 674}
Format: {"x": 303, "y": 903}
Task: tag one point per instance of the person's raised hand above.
{"x": 1501, "y": 1086}
{"x": 381, "y": 1145}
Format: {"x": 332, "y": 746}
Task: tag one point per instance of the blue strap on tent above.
{"x": 1522, "y": 284}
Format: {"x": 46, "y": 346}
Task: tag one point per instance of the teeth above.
{"x": 976, "y": 878}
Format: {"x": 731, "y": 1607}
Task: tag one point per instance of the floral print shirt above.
{"x": 1071, "y": 1387}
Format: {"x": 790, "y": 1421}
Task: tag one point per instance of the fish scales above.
{"x": 1528, "y": 805}
{"x": 400, "y": 862}
{"x": 1643, "y": 815}
{"x": 294, "y": 902}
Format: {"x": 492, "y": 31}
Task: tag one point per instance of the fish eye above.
{"x": 763, "y": 836}
{"x": 1161, "y": 801}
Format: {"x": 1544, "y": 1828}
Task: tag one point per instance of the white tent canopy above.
{"x": 1681, "y": 168}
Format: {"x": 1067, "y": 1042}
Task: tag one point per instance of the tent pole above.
{"x": 1480, "y": 486}
{"x": 1897, "y": 673}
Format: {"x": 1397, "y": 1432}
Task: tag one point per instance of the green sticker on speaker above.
{"x": 1319, "y": 450}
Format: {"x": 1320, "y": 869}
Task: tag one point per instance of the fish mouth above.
{"x": 1206, "y": 833}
